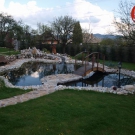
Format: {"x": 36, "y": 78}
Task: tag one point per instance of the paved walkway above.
{"x": 49, "y": 84}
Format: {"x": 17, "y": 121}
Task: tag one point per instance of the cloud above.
{"x": 91, "y": 19}
{"x": 2, "y": 5}
{"x": 24, "y": 10}
{"x": 35, "y": 74}
{"x": 94, "y": 19}
{"x": 82, "y": 10}
{"x": 93, "y": 15}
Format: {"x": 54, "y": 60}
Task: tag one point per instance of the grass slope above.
{"x": 71, "y": 112}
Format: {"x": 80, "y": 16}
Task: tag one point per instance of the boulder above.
{"x": 129, "y": 87}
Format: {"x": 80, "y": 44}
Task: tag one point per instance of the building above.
{"x": 48, "y": 39}
{"x": 91, "y": 39}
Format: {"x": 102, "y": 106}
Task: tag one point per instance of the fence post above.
{"x": 97, "y": 60}
{"x": 103, "y": 61}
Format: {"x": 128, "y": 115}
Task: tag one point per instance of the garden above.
{"x": 70, "y": 111}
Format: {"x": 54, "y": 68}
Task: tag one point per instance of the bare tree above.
{"x": 42, "y": 28}
{"x": 87, "y": 35}
{"x": 62, "y": 28}
{"x": 126, "y": 26}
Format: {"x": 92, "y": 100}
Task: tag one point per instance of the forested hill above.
{"x": 101, "y": 36}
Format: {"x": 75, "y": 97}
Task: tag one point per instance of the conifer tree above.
{"x": 77, "y": 34}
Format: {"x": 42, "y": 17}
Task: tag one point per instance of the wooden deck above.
{"x": 81, "y": 71}
{"x": 94, "y": 58}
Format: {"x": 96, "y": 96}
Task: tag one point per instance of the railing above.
{"x": 83, "y": 57}
{"x": 94, "y": 55}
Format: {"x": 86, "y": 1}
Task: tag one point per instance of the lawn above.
{"x": 71, "y": 112}
{"x": 6, "y": 92}
{"x": 114, "y": 64}
{"x": 7, "y": 51}
{"x": 4, "y": 49}
{"x": 125, "y": 65}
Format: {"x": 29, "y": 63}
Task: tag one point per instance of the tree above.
{"x": 45, "y": 33}
{"x": 8, "y": 28}
{"x": 77, "y": 34}
{"x": 34, "y": 37}
{"x": 125, "y": 27}
{"x": 26, "y": 37}
{"x": 87, "y": 35}
{"x": 62, "y": 28}
{"x": 112, "y": 53}
{"x": 42, "y": 28}
{"x": 107, "y": 41}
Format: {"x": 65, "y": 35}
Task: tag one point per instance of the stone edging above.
{"x": 103, "y": 89}
{"x": 50, "y": 84}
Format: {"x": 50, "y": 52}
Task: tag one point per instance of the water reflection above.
{"x": 104, "y": 80}
{"x": 30, "y": 73}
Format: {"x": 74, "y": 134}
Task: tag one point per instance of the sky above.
{"x": 94, "y": 15}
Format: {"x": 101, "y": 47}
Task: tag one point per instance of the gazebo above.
{"x": 47, "y": 38}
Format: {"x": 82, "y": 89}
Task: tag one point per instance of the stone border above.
{"x": 50, "y": 83}
{"x": 19, "y": 62}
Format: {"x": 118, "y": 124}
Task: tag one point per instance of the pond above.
{"x": 31, "y": 73}
{"x": 103, "y": 80}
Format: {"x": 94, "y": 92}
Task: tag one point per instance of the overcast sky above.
{"x": 96, "y": 15}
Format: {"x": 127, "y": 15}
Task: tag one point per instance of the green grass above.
{"x": 7, "y": 51}
{"x": 71, "y": 112}
{"x": 2, "y": 49}
{"x": 125, "y": 65}
{"x": 114, "y": 64}
{"x": 6, "y": 92}
{"x": 130, "y": 66}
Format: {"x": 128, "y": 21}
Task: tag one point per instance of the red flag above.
{"x": 133, "y": 13}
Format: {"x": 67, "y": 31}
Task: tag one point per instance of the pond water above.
{"x": 31, "y": 73}
{"x": 104, "y": 80}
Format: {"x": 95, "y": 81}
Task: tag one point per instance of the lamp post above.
{"x": 119, "y": 66}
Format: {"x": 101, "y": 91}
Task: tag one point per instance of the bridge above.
{"x": 90, "y": 63}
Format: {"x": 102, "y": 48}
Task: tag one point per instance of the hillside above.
{"x": 101, "y": 36}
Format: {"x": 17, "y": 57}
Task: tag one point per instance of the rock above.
{"x": 120, "y": 93}
{"x": 129, "y": 87}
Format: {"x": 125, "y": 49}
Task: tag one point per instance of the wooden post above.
{"x": 54, "y": 48}
{"x": 85, "y": 67}
{"x": 103, "y": 62}
{"x": 82, "y": 57}
{"x": 75, "y": 63}
{"x": 93, "y": 61}
{"x": 97, "y": 60}
{"x": 87, "y": 58}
